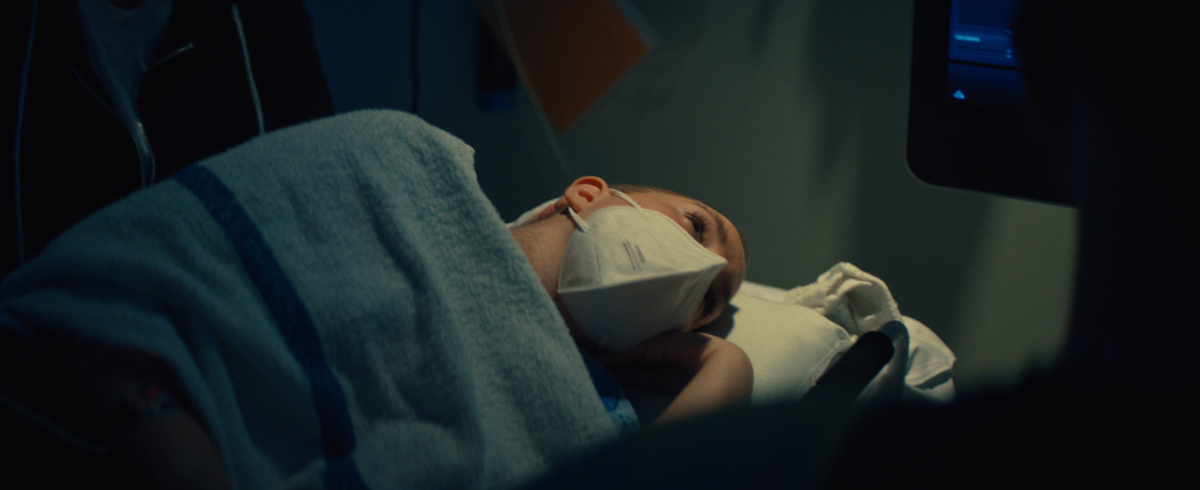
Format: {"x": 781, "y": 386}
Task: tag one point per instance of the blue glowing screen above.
{"x": 983, "y": 72}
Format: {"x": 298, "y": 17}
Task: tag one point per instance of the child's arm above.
{"x": 124, "y": 399}
{"x": 706, "y": 371}
{"x": 166, "y": 450}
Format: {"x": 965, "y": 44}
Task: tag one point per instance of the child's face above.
{"x": 711, "y": 229}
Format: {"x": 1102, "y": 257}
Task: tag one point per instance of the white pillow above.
{"x": 789, "y": 345}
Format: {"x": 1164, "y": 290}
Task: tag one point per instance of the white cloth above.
{"x": 452, "y": 366}
{"x": 861, "y": 302}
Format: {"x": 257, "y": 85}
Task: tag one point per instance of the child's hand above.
{"x": 706, "y": 371}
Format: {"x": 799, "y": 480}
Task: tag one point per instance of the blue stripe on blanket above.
{"x": 291, "y": 317}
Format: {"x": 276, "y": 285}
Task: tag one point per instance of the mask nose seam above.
{"x": 698, "y": 245}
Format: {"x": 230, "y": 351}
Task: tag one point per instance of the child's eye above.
{"x": 699, "y": 224}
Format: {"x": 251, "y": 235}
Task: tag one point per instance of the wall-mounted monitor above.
{"x": 967, "y": 125}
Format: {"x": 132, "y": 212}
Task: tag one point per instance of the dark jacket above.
{"x": 196, "y": 100}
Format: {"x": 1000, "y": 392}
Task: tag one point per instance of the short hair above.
{"x": 645, "y": 189}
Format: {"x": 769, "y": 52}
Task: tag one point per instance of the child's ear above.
{"x": 582, "y": 193}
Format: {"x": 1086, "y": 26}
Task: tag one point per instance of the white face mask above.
{"x": 631, "y": 273}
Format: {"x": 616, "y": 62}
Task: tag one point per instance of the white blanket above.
{"x": 860, "y": 302}
{"x": 343, "y": 306}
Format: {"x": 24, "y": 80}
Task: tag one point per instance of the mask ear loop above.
{"x": 578, "y": 221}
{"x": 627, "y": 199}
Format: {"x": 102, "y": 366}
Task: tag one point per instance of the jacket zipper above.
{"x": 137, "y": 112}
{"x": 113, "y": 111}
